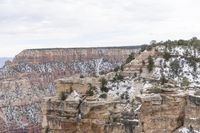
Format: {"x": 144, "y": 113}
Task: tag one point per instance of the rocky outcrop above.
{"x": 139, "y": 65}
{"x": 192, "y": 112}
{"x": 165, "y": 109}
{"x": 80, "y": 113}
{"x": 76, "y": 83}
{"x": 162, "y": 112}
{"x": 169, "y": 111}
{"x": 92, "y": 116}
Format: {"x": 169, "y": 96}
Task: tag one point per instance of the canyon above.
{"x": 29, "y": 77}
{"x": 136, "y": 103}
{"x": 147, "y": 89}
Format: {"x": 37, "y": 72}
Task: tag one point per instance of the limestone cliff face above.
{"x": 192, "y": 112}
{"x": 91, "y": 117}
{"x": 164, "y": 103}
{"x": 65, "y": 62}
{"x": 29, "y": 78}
{"x": 169, "y": 112}
{"x": 76, "y": 83}
{"x": 162, "y": 113}
{"x": 72, "y": 54}
{"x": 79, "y": 113}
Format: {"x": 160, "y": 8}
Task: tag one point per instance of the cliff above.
{"x": 156, "y": 92}
{"x": 29, "y": 78}
{"x": 96, "y": 90}
{"x": 166, "y": 109}
{"x": 172, "y": 112}
{"x": 192, "y": 112}
{"x": 95, "y": 116}
{"x": 69, "y": 55}
{"x": 163, "y": 112}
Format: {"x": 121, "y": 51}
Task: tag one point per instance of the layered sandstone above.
{"x": 76, "y": 83}
{"x": 80, "y": 113}
{"x": 169, "y": 112}
{"x": 69, "y": 55}
{"x": 192, "y": 112}
{"x": 161, "y": 108}
{"x": 91, "y": 117}
{"x": 136, "y": 65}
{"x": 30, "y": 77}
{"x": 162, "y": 113}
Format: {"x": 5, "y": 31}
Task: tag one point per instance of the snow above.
{"x": 138, "y": 108}
{"x": 181, "y": 51}
{"x": 146, "y": 86}
{"x": 185, "y": 71}
{"x": 74, "y": 96}
{"x": 127, "y": 108}
{"x": 186, "y": 130}
{"x": 98, "y": 64}
{"x": 120, "y": 87}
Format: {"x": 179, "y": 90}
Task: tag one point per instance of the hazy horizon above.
{"x": 28, "y": 24}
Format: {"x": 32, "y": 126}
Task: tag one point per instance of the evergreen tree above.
{"x": 150, "y": 63}
{"x": 103, "y": 85}
{"x": 166, "y": 55}
{"x": 130, "y": 58}
{"x": 175, "y": 66}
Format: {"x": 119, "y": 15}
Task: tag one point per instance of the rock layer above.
{"x": 96, "y": 117}
{"x": 162, "y": 113}
{"x": 73, "y": 54}
{"x": 192, "y": 112}
{"x": 29, "y": 78}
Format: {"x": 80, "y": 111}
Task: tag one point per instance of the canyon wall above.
{"x": 192, "y": 112}
{"x": 95, "y": 117}
{"x": 29, "y": 78}
{"x": 162, "y": 112}
{"x": 174, "y": 111}
{"x": 69, "y": 55}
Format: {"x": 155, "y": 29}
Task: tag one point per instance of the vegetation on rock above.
{"x": 90, "y": 91}
{"x": 185, "y": 82}
{"x": 150, "y": 64}
{"x": 175, "y": 66}
{"x": 63, "y": 95}
{"x": 104, "y": 95}
{"x": 130, "y": 58}
{"x": 155, "y": 90}
{"x": 118, "y": 77}
{"x": 104, "y": 82}
{"x": 125, "y": 95}
{"x": 167, "y": 56}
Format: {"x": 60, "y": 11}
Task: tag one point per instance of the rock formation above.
{"x": 163, "y": 112}
{"x": 98, "y": 90}
{"x": 192, "y": 112}
{"x": 86, "y": 114}
{"x": 167, "y": 102}
{"x": 30, "y": 77}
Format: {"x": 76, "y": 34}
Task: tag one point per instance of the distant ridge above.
{"x": 109, "y": 47}
{"x": 3, "y": 60}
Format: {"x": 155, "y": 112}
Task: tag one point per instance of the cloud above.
{"x": 75, "y": 23}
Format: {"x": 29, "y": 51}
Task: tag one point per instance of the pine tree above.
{"x": 175, "y": 66}
{"x": 150, "y": 63}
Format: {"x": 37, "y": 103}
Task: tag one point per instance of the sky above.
{"x": 28, "y": 24}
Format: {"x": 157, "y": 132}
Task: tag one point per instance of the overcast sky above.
{"x": 83, "y": 23}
